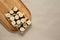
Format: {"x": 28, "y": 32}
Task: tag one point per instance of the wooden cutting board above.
{"x": 7, "y": 5}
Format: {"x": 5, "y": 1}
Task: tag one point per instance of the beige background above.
{"x": 45, "y": 22}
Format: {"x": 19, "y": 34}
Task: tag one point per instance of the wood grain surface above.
{"x": 5, "y": 6}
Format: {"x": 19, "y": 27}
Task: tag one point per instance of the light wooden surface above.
{"x": 5, "y": 6}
